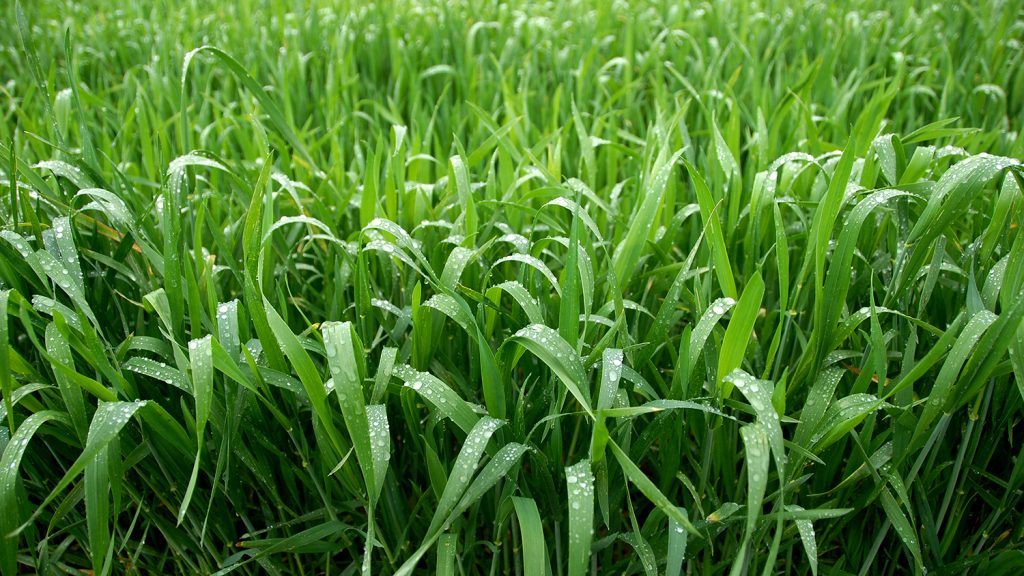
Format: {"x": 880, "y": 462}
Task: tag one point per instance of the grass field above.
{"x": 550, "y": 288}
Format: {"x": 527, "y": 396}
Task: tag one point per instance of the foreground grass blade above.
{"x": 579, "y": 482}
{"x": 559, "y": 356}
{"x": 738, "y": 334}
{"x": 10, "y": 462}
{"x": 535, "y": 557}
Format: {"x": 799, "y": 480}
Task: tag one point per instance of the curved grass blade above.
{"x": 10, "y": 462}
{"x": 277, "y": 117}
{"x": 201, "y": 360}
{"x": 559, "y": 356}
{"x": 106, "y": 424}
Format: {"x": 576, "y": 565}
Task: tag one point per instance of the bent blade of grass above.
{"x": 995, "y": 232}
{"x": 579, "y": 212}
{"x": 837, "y": 279}
{"x": 492, "y": 473}
{"x": 10, "y": 463}
{"x": 818, "y": 400}
{"x": 267, "y": 103}
{"x": 558, "y": 355}
{"x": 535, "y": 263}
{"x": 905, "y": 530}
{"x": 659, "y": 329}
{"x": 951, "y": 197}
{"x": 201, "y": 361}
{"x": 806, "y": 530}
{"x": 496, "y": 469}
{"x": 303, "y": 365}
{"x": 522, "y": 297}
{"x": 454, "y": 266}
{"x": 295, "y": 541}
{"x": 958, "y": 355}
{"x": 707, "y": 323}
{"x": 759, "y": 396}
{"x": 57, "y": 346}
{"x": 450, "y": 307}
{"x": 1005, "y": 332}
{"x": 159, "y": 371}
{"x": 69, "y": 284}
{"x": 842, "y": 416}
{"x": 106, "y": 424}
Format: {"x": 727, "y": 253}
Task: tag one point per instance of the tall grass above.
{"x": 545, "y": 288}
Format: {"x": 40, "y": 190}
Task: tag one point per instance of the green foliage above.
{"x": 519, "y": 288}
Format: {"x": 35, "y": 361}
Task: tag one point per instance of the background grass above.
{"x": 543, "y": 288}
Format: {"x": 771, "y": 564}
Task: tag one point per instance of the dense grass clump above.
{"x": 564, "y": 288}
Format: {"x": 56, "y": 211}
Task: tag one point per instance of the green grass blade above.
{"x": 738, "y": 334}
{"x": 463, "y": 470}
{"x": 558, "y": 355}
{"x": 10, "y": 462}
{"x": 649, "y": 489}
{"x": 535, "y": 557}
{"x": 440, "y": 396}
{"x": 579, "y": 482}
